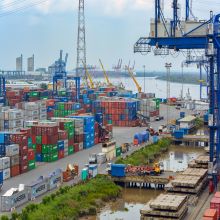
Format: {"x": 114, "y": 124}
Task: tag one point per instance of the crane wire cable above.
{"x": 8, "y": 5}
{"x": 22, "y": 8}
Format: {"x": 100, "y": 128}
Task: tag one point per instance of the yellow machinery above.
{"x": 105, "y": 74}
{"x": 134, "y": 79}
{"x": 157, "y": 168}
{"x": 88, "y": 76}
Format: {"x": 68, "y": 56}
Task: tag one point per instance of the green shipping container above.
{"x": 65, "y": 112}
{"x": 52, "y": 149}
{"x": 70, "y": 150}
{"x": 110, "y": 122}
{"x": 62, "y": 93}
{"x": 84, "y": 174}
{"x": 29, "y": 142}
{"x": 45, "y": 157}
{"x": 45, "y": 148}
{"x": 70, "y": 133}
{"x": 118, "y": 151}
{"x": 31, "y": 164}
{"x": 53, "y": 157}
{"x": 34, "y": 94}
{"x": 61, "y": 106}
{"x": 34, "y": 147}
{"x": 38, "y": 139}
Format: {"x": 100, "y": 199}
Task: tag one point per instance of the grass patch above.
{"x": 72, "y": 202}
{"x": 147, "y": 154}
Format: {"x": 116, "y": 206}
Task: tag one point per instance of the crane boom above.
{"x": 88, "y": 76}
{"x": 134, "y": 79}
{"x": 105, "y": 74}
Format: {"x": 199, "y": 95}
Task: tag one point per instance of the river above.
{"x": 159, "y": 87}
{"x": 128, "y": 206}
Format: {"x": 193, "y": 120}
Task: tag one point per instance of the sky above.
{"x": 112, "y": 28}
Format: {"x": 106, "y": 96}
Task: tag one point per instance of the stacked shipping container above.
{"x": 150, "y": 108}
{"x": 119, "y": 112}
{"x": 11, "y": 120}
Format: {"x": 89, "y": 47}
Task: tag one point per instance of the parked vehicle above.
{"x": 93, "y": 158}
{"x": 159, "y": 118}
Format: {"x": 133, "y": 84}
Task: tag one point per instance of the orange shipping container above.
{"x": 215, "y": 204}
{"x": 15, "y": 171}
{"x": 217, "y": 195}
{"x": 211, "y": 213}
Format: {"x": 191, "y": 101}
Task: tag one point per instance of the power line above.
{"x": 3, "y": 6}
{"x": 21, "y": 9}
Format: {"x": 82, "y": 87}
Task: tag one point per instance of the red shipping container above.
{"x": 23, "y": 150}
{"x": 39, "y": 148}
{"x": 31, "y": 154}
{"x": 23, "y": 168}
{"x": 215, "y": 204}
{"x": 23, "y": 160}
{"x": 71, "y": 142}
{"x": 44, "y": 139}
{"x": 15, "y": 170}
{"x": 63, "y": 135}
{"x": 52, "y": 139}
{"x": 50, "y": 102}
{"x": 60, "y": 154}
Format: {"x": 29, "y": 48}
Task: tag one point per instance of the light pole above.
{"x": 168, "y": 66}
{"x": 144, "y": 77}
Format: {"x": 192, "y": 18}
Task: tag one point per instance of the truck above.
{"x": 162, "y": 129}
{"x": 93, "y": 158}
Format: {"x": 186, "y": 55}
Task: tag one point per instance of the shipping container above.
{"x": 215, "y": 204}
{"x": 211, "y": 213}
{"x": 118, "y": 170}
{"x": 37, "y": 188}
{"x": 55, "y": 179}
{"x": 14, "y": 198}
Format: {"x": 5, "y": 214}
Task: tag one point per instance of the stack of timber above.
{"x": 191, "y": 181}
{"x": 200, "y": 162}
{"x": 165, "y": 206}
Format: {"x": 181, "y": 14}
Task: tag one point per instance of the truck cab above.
{"x": 93, "y": 158}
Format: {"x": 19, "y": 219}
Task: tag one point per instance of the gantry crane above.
{"x": 88, "y": 76}
{"x": 176, "y": 34}
{"x": 203, "y": 64}
{"x": 134, "y": 79}
{"x": 105, "y": 74}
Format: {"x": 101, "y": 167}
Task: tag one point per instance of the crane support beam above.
{"x": 187, "y": 9}
{"x": 177, "y": 43}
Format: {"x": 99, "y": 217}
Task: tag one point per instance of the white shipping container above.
{"x": 30, "y": 106}
{"x": 43, "y": 117}
{"x": 31, "y": 112}
{"x": 12, "y": 150}
{"x": 42, "y": 111}
{"x": 80, "y": 146}
{"x": 66, "y": 143}
{"x": 4, "y": 163}
{"x": 41, "y": 104}
{"x": 6, "y": 173}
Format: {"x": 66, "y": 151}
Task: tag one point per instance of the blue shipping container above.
{"x": 118, "y": 170}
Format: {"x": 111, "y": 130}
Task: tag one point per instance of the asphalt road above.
{"x": 121, "y": 135}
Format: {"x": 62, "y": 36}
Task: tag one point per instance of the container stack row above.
{"x": 11, "y": 120}
{"x": 16, "y": 158}
{"x": 33, "y": 110}
{"x": 88, "y": 130}
{"x": 120, "y": 112}
{"x": 150, "y": 108}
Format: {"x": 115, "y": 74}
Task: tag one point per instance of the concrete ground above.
{"x": 121, "y": 135}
